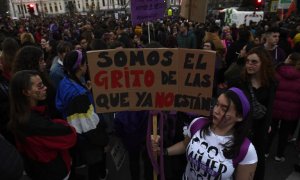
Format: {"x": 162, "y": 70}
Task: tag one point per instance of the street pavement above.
{"x": 274, "y": 170}
{"x": 284, "y": 170}
{"x": 118, "y": 165}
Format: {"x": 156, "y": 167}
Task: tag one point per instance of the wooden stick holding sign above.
{"x": 155, "y": 79}
{"x": 149, "y": 34}
{"x": 154, "y": 124}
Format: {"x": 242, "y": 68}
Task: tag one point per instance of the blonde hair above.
{"x": 26, "y": 37}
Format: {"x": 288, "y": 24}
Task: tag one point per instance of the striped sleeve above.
{"x": 81, "y": 115}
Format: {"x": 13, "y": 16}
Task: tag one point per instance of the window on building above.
{"x": 50, "y": 7}
{"x": 55, "y": 7}
{"x": 78, "y": 4}
{"x": 98, "y": 5}
{"x": 103, "y": 2}
{"x": 60, "y": 7}
{"x": 19, "y": 10}
{"x": 66, "y": 4}
{"x": 45, "y": 8}
{"x": 24, "y": 8}
{"x": 87, "y": 4}
{"x": 93, "y": 4}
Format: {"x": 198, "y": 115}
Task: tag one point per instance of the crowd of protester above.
{"x": 44, "y": 81}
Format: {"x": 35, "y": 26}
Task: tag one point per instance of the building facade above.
{"x": 19, "y": 8}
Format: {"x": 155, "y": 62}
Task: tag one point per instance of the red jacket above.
{"x": 287, "y": 101}
{"x": 46, "y": 145}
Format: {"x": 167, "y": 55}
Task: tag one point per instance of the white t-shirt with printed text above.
{"x": 205, "y": 159}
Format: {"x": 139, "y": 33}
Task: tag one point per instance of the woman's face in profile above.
{"x": 37, "y": 91}
{"x": 43, "y": 43}
{"x": 224, "y": 113}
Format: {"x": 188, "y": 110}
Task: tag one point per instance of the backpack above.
{"x": 202, "y": 121}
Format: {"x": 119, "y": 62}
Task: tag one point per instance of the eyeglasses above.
{"x": 252, "y": 61}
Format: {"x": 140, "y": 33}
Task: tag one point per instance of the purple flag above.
{"x": 146, "y": 10}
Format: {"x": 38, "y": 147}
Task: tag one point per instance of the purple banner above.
{"x": 146, "y": 10}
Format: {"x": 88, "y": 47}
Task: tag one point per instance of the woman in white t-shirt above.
{"x": 218, "y": 148}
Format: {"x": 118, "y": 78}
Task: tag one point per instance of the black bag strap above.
{"x": 251, "y": 91}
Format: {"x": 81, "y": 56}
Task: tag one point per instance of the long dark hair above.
{"x": 19, "y": 103}
{"x": 9, "y": 47}
{"x": 267, "y": 74}
{"x": 71, "y": 66}
{"x": 241, "y": 128}
{"x": 27, "y": 57}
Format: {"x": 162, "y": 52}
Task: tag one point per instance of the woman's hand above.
{"x": 88, "y": 85}
{"x": 155, "y": 144}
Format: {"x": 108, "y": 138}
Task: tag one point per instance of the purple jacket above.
{"x": 287, "y": 101}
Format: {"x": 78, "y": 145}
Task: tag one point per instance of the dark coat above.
{"x": 265, "y": 96}
{"x": 4, "y": 110}
{"x": 45, "y": 145}
{"x": 4, "y": 103}
{"x": 11, "y": 167}
{"x": 278, "y": 55}
{"x": 287, "y": 100}
{"x": 131, "y": 127}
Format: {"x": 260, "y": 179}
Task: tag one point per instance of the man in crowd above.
{"x": 272, "y": 38}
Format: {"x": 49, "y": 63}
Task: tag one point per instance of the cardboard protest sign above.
{"x": 152, "y": 79}
{"x": 146, "y": 10}
{"x": 194, "y": 10}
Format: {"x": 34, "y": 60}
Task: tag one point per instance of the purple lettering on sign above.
{"x": 145, "y": 11}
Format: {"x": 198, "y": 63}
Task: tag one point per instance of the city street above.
{"x": 274, "y": 170}
{"x": 127, "y": 61}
